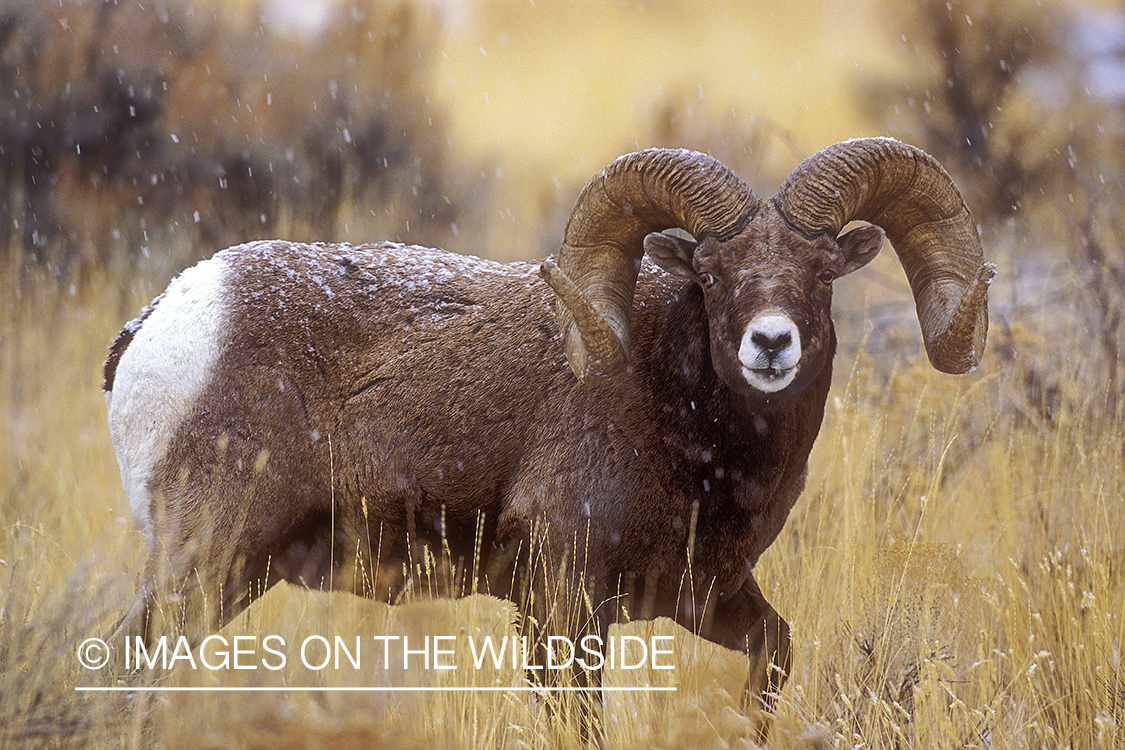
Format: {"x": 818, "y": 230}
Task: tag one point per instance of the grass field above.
{"x": 953, "y": 573}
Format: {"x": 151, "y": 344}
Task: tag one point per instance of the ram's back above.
{"x": 381, "y": 373}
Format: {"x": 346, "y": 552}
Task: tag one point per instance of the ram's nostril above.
{"x": 771, "y": 342}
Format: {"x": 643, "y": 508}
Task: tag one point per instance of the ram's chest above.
{"x": 739, "y": 484}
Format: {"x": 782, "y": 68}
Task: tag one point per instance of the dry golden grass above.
{"x": 952, "y": 574}
{"x": 955, "y": 567}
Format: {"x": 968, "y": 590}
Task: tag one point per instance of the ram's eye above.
{"x": 706, "y": 280}
{"x": 826, "y": 277}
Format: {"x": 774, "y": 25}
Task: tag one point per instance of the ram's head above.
{"x": 766, "y": 267}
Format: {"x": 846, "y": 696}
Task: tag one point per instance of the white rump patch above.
{"x": 161, "y": 375}
{"x": 770, "y": 351}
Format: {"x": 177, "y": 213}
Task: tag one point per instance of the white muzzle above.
{"x": 770, "y": 350}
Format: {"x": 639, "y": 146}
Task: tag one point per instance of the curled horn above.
{"x": 597, "y": 266}
{"x": 906, "y": 192}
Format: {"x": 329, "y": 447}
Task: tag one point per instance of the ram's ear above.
{"x": 860, "y": 246}
{"x": 673, "y": 254}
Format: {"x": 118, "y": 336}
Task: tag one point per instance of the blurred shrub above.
{"x": 1004, "y": 94}
{"x": 122, "y": 123}
{"x": 1098, "y": 249}
{"x": 961, "y": 97}
{"x": 918, "y": 626}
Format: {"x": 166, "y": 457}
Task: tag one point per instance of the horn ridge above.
{"x": 906, "y": 192}
{"x": 600, "y": 258}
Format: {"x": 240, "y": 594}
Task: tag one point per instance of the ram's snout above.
{"x": 770, "y": 351}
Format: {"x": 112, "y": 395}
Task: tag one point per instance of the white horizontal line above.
{"x": 281, "y": 689}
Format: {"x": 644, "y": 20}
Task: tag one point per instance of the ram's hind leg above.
{"x": 198, "y": 575}
{"x": 183, "y": 596}
{"x": 178, "y": 600}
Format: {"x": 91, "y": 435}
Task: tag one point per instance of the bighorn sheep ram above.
{"x": 281, "y": 403}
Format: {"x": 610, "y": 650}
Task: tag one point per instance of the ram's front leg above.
{"x": 565, "y": 632}
{"x": 746, "y": 622}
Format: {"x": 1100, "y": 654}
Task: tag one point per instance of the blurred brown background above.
{"x": 177, "y": 127}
